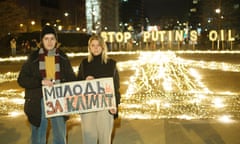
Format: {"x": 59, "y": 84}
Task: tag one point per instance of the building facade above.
{"x": 131, "y": 15}
{"x": 65, "y": 15}
{"x": 102, "y": 15}
{"x": 72, "y": 15}
{"x": 215, "y": 14}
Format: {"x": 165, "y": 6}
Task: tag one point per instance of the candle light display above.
{"x": 166, "y": 86}
{"x": 163, "y": 86}
{"x": 11, "y": 102}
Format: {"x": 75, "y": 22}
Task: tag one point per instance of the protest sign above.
{"x": 79, "y": 97}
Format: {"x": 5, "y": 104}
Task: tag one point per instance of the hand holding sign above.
{"x": 79, "y": 97}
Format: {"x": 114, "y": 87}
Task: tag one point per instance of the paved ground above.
{"x": 15, "y": 130}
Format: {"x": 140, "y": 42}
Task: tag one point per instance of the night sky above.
{"x": 155, "y": 9}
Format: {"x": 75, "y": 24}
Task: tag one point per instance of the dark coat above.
{"x": 30, "y": 79}
{"x": 99, "y": 70}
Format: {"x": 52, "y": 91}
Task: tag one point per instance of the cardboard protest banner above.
{"x": 79, "y": 97}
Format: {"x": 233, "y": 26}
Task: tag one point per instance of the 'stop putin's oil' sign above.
{"x": 172, "y": 35}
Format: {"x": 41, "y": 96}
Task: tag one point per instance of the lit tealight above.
{"x": 15, "y": 113}
{"x": 218, "y": 103}
{"x": 225, "y": 119}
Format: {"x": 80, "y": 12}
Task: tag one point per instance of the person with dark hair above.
{"x": 97, "y": 126}
{"x": 44, "y": 67}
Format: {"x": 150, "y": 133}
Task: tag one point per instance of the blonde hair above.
{"x": 102, "y": 44}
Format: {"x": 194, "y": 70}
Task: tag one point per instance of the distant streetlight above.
{"x": 21, "y": 27}
{"x": 66, "y": 14}
{"x": 218, "y": 10}
{"x": 59, "y": 27}
{"x": 33, "y": 22}
{"x": 30, "y": 26}
{"x": 58, "y": 20}
{"x": 77, "y": 28}
{"x": 84, "y": 29}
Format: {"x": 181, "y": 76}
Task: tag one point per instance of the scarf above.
{"x": 42, "y": 67}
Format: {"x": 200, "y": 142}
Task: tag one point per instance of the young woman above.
{"x": 98, "y": 126}
{"x": 44, "y": 67}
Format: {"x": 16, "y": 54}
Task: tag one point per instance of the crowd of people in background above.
{"x": 22, "y": 47}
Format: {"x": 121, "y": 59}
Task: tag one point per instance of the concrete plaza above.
{"x": 15, "y": 129}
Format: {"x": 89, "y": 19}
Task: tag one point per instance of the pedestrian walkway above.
{"x": 15, "y": 130}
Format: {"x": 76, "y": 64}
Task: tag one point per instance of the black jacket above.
{"x": 98, "y": 69}
{"x": 30, "y": 79}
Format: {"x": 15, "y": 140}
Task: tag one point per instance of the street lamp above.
{"x": 59, "y": 27}
{"x": 30, "y": 26}
{"x": 66, "y": 14}
{"x": 218, "y": 11}
{"x": 21, "y": 25}
{"x": 33, "y": 22}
